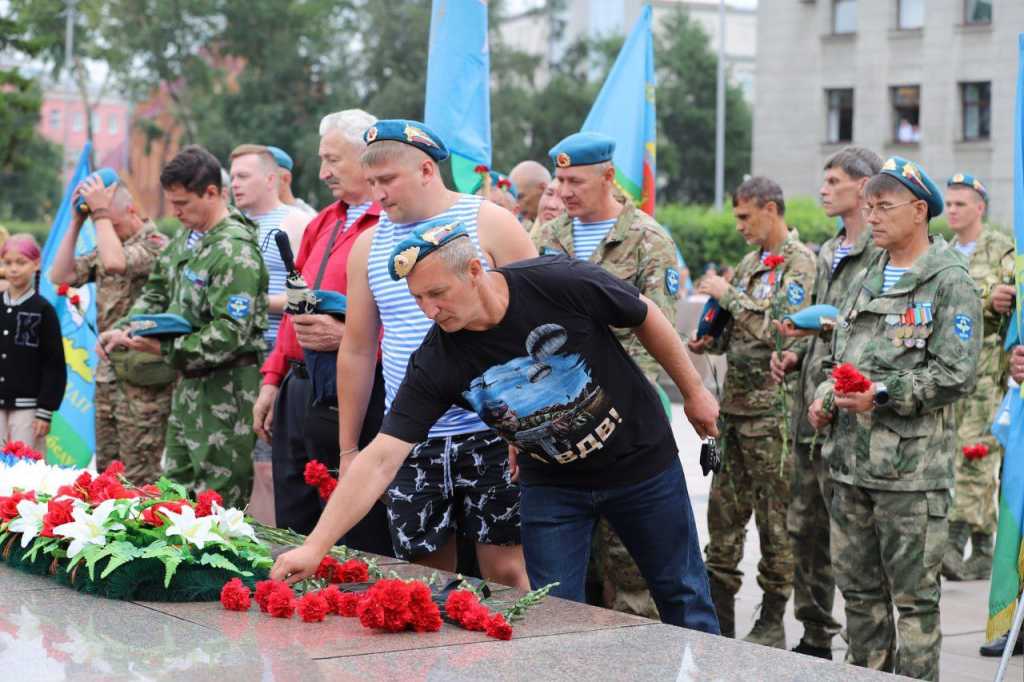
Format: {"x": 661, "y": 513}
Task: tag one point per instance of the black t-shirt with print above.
{"x": 550, "y": 378}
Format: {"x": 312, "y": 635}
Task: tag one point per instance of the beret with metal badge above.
{"x": 968, "y": 180}
{"x": 582, "y": 149}
{"x": 422, "y": 241}
{"x": 913, "y": 177}
{"x": 412, "y": 133}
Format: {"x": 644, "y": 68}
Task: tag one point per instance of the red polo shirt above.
{"x": 311, "y": 253}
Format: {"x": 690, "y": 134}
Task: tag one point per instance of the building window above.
{"x": 976, "y": 99}
{"x": 76, "y": 122}
{"x": 977, "y": 11}
{"x": 844, "y": 16}
{"x": 54, "y": 120}
{"x": 906, "y": 113}
{"x": 911, "y": 14}
{"x": 839, "y": 126}
{"x": 112, "y": 125}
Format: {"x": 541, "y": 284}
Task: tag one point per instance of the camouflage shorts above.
{"x": 457, "y": 484}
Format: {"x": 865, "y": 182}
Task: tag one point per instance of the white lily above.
{"x": 231, "y": 523}
{"x": 88, "y": 529}
{"x": 29, "y": 521}
{"x": 194, "y": 531}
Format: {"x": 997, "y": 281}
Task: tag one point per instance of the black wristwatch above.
{"x": 881, "y": 395}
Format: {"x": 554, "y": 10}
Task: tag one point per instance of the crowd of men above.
{"x": 491, "y": 379}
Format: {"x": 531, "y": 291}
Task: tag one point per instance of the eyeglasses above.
{"x": 883, "y": 210}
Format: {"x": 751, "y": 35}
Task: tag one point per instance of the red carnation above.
{"x": 235, "y": 596}
{"x": 371, "y": 614}
{"x": 459, "y": 602}
{"x": 265, "y": 588}
{"x": 476, "y": 618}
{"x": 116, "y": 468}
{"x": 976, "y": 451}
{"x": 481, "y": 168}
{"x": 63, "y": 288}
{"x": 75, "y": 300}
{"x": 58, "y": 512}
{"x": 504, "y": 183}
{"x": 498, "y": 628}
{"x": 354, "y": 571}
{"x": 204, "y": 505}
{"x": 333, "y": 598}
{"x": 773, "y": 261}
{"x": 149, "y": 490}
{"x": 315, "y": 472}
{"x": 329, "y": 570}
{"x": 326, "y": 488}
{"x": 313, "y": 607}
{"x": 426, "y": 617}
{"x": 349, "y": 604}
{"x": 281, "y": 603}
{"x": 849, "y": 380}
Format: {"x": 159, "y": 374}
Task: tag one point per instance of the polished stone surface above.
{"x": 644, "y": 652}
{"x": 59, "y": 634}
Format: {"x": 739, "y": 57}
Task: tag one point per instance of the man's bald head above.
{"x": 530, "y": 179}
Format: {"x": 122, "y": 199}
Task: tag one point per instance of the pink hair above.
{"x": 23, "y": 243}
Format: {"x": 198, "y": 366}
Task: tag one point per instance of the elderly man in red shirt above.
{"x": 288, "y": 413}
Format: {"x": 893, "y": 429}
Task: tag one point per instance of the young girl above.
{"x": 32, "y": 371}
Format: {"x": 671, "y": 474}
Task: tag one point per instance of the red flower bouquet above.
{"x": 849, "y": 380}
{"x": 235, "y": 596}
{"x": 976, "y": 451}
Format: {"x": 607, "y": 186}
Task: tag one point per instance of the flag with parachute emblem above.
{"x": 458, "y": 105}
{"x": 72, "y": 439}
{"x": 624, "y": 109}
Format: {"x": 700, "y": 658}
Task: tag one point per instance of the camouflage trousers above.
{"x": 814, "y": 586}
{"x": 131, "y": 422}
{"x": 977, "y": 480}
{"x": 887, "y": 550}
{"x": 209, "y": 435}
{"x": 753, "y": 480}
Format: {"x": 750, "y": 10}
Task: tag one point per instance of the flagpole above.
{"x": 1011, "y": 640}
{"x": 720, "y": 111}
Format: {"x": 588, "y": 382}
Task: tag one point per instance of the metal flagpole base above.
{"x": 1011, "y": 640}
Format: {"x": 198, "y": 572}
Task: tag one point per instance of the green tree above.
{"x": 686, "y": 72}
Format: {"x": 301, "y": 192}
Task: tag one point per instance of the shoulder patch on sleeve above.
{"x": 963, "y": 327}
{"x": 795, "y": 293}
{"x": 239, "y": 306}
{"x": 671, "y": 281}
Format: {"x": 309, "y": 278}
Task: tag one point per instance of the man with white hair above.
{"x": 287, "y": 414}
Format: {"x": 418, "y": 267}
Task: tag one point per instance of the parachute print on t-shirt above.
{"x": 545, "y": 403}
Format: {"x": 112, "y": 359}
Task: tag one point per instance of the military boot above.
{"x": 769, "y": 630}
{"x": 979, "y": 565}
{"x": 725, "y": 607}
{"x": 953, "y": 559}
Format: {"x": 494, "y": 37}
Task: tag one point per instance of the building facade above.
{"x": 936, "y": 86}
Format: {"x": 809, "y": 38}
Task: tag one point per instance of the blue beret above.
{"x": 164, "y": 324}
{"x": 411, "y": 133}
{"x": 330, "y": 302}
{"x": 913, "y": 177}
{"x": 968, "y": 180}
{"x": 582, "y": 149}
{"x": 282, "y": 158}
{"x": 712, "y": 320}
{"x": 108, "y": 176}
{"x": 814, "y": 316}
{"x": 426, "y": 238}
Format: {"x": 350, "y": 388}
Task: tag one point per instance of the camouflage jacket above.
{"x": 989, "y": 265}
{"x": 636, "y": 249}
{"x": 219, "y": 286}
{"x": 831, "y": 288}
{"x": 115, "y": 292}
{"x": 906, "y": 444}
{"x": 754, "y": 299}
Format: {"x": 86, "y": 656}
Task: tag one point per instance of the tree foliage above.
{"x": 266, "y": 71}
